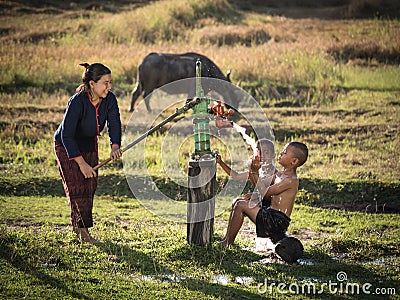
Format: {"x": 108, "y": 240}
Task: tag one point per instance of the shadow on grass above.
{"x": 361, "y": 195}
{"x": 367, "y": 196}
{"x": 24, "y": 264}
{"x": 154, "y": 271}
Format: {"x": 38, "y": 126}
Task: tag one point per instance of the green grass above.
{"x": 382, "y": 79}
{"x": 333, "y": 84}
{"x": 142, "y": 256}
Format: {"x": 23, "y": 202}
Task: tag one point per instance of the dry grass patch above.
{"x": 366, "y": 53}
{"x": 232, "y": 35}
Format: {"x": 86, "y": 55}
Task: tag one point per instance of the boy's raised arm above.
{"x": 228, "y": 170}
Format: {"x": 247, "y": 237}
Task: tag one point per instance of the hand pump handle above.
{"x": 180, "y": 110}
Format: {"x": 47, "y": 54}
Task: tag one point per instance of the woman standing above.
{"x": 88, "y": 110}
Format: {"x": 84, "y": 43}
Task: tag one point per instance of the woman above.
{"x": 75, "y": 144}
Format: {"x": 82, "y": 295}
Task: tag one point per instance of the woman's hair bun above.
{"x": 84, "y": 64}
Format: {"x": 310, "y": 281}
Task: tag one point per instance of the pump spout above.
{"x": 221, "y": 116}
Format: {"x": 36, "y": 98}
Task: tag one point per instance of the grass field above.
{"x": 325, "y": 74}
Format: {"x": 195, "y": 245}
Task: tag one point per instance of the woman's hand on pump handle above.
{"x": 116, "y": 153}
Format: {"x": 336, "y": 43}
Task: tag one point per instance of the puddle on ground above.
{"x": 384, "y": 260}
{"x": 273, "y": 259}
{"x": 265, "y": 251}
{"x": 305, "y": 262}
{"x": 163, "y": 278}
{"x": 311, "y": 279}
{"x": 388, "y": 260}
{"x": 217, "y": 279}
{"x": 226, "y": 279}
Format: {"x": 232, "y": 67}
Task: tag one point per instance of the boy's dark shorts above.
{"x": 271, "y": 223}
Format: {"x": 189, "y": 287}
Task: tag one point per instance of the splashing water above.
{"x": 246, "y": 137}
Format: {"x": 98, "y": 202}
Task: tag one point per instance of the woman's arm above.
{"x": 114, "y": 121}
{"x": 114, "y": 127}
{"x": 69, "y": 125}
{"x": 85, "y": 168}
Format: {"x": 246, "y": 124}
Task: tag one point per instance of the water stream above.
{"x": 246, "y": 137}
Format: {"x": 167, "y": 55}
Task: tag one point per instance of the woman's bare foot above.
{"x": 84, "y": 235}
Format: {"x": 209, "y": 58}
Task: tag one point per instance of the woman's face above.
{"x": 102, "y": 86}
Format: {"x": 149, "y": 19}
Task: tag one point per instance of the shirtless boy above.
{"x": 271, "y": 221}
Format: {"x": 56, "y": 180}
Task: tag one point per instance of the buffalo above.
{"x": 159, "y": 69}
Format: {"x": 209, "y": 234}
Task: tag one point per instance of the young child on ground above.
{"x": 271, "y": 220}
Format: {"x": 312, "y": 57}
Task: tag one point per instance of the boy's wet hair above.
{"x": 300, "y": 151}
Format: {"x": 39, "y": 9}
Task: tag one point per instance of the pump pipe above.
{"x": 190, "y": 103}
{"x": 220, "y": 115}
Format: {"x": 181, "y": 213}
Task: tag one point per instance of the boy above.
{"x": 271, "y": 221}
